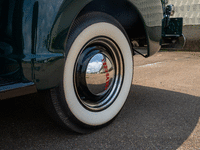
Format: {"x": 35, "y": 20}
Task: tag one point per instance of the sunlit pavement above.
{"x": 162, "y": 112}
{"x": 177, "y": 72}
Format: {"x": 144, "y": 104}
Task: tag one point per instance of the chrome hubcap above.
{"x": 98, "y": 74}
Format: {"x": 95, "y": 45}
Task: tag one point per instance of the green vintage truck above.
{"x": 78, "y": 52}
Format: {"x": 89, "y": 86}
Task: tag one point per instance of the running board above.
{"x": 16, "y": 89}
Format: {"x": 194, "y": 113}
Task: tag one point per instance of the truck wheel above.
{"x": 97, "y": 74}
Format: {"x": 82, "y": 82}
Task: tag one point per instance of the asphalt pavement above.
{"x": 162, "y": 112}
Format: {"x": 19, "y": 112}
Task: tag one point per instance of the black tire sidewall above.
{"x": 61, "y": 105}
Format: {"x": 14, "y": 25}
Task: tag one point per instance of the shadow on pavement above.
{"x": 151, "y": 119}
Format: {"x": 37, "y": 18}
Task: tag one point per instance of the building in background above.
{"x": 189, "y": 10}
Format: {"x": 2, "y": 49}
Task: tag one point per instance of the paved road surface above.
{"x": 162, "y": 112}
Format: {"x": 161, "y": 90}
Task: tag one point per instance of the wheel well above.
{"x": 124, "y": 12}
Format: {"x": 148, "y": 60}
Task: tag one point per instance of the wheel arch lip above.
{"x": 146, "y": 9}
{"x": 61, "y": 27}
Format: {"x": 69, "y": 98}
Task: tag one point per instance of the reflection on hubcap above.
{"x": 99, "y": 74}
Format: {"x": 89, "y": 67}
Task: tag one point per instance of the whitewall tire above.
{"x": 97, "y": 74}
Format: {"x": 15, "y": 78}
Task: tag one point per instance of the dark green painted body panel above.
{"x": 41, "y": 29}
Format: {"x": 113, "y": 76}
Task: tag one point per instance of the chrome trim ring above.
{"x": 98, "y": 74}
